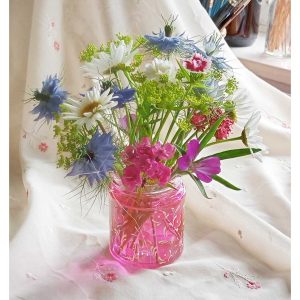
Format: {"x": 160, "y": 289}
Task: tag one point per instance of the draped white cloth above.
{"x": 58, "y": 253}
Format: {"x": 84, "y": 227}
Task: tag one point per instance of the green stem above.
{"x": 190, "y": 137}
{"x": 129, "y": 79}
{"x": 161, "y": 125}
{"x": 101, "y": 127}
{"x": 171, "y": 127}
{"x": 118, "y": 80}
{"x": 175, "y": 136}
{"x": 224, "y": 141}
{"x": 118, "y": 127}
{"x": 113, "y": 124}
{"x": 129, "y": 120}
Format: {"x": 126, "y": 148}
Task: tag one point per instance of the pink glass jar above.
{"x": 146, "y": 227}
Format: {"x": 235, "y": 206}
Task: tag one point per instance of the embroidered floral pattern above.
{"x": 56, "y": 45}
{"x": 241, "y": 279}
{"x": 43, "y": 147}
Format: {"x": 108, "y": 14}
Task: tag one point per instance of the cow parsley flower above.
{"x": 49, "y": 99}
{"x": 88, "y": 111}
{"x": 98, "y": 159}
{"x": 158, "y": 67}
{"x": 120, "y": 54}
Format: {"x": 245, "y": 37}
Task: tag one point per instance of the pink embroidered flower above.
{"x": 109, "y": 276}
{"x": 43, "y": 147}
{"x": 199, "y": 121}
{"x": 56, "y": 45}
{"x": 198, "y": 63}
{"x": 253, "y": 285}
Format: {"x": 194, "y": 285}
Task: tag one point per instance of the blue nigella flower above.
{"x": 213, "y": 44}
{"x": 49, "y": 99}
{"x": 98, "y": 160}
{"x": 212, "y": 47}
{"x": 171, "y": 44}
{"x": 124, "y": 96}
{"x": 213, "y": 88}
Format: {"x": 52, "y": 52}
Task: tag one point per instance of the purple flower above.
{"x": 98, "y": 160}
{"x": 205, "y": 168}
{"x": 123, "y": 96}
{"x": 49, "y": 99}
{"x": 124, "y": 121}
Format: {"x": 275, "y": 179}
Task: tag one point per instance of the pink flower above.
{"x": 163, "y": 152}
{"x": 199, "y": 121}
{"x": 158, "y": 171}
{"x": 43, "y": 147}
{"x": 132, "y": 177}
{"x": 144, "y": 147}
{"x": 146, "y": 161}
{"x": 124, "y": 121}
{"x": 205, "y": 169}
{"x": 224, "y": 129}
{"x": 198, "y": 63}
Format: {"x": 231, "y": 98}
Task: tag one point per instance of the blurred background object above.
{"x": 278, "y": 41}
{"x": 242, "y": 31}
{"x": 254, "y": 29}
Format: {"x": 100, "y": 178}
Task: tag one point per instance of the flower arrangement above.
{"x": 155, "y": 102}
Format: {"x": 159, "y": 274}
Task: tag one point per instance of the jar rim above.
{"x": 151, "y": 199}
{"x": 158, "y": 189}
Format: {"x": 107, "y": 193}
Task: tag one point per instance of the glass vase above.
{"x": 146, "y": 226}
{"x": 278, "y": 41}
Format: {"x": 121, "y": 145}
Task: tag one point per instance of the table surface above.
{"x": 262, "y": 64}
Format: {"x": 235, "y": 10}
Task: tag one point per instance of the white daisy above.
{"x": 158, "y": 67}
{"x": 243, "y": 107}
{"x": 119, "y": 54}
{"x": 88, "y": 110}
{"x": 250, "y": 135}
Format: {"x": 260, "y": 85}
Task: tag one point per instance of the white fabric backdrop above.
{"x": 56, "y": 253}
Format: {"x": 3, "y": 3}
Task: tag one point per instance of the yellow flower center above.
{"x": 89, "y": 107}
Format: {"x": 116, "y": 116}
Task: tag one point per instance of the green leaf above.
{"x": 199, "y": 85}
{"x": 199, "y": 184}
{"x": 225, "y": 182}
{"x": 171, "y": 186}
{"x": 180, "y": 150}
{"x": 211, "y": 132}
{"x": 185, "y": 73}
{"x": 235, "y": 153}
